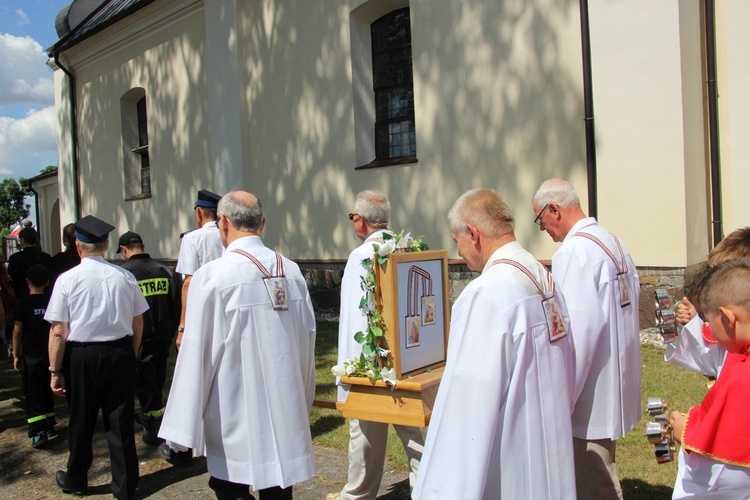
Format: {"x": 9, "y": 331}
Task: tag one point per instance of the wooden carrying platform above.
{"x": 410, "y": 403}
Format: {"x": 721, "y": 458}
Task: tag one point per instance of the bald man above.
{"x": 500, "y": 426}
{"x": 245, "y": 377}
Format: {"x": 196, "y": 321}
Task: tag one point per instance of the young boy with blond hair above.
{"x": 715, "y": 454}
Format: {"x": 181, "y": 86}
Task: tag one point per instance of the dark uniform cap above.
{"x": 92, "y": 230}
{"x": 207, "y": 199}
{"x": 129, "y": 238}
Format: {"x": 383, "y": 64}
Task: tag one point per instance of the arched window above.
{"x": 382, "y": 84}
{"x": 393, "y": 85}
{"x": 136, "y": 161}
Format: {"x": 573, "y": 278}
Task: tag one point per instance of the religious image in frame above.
{"x": 412, "y": 331}
{"x": 428, "y": 310}
{"x": 415, "y": 308}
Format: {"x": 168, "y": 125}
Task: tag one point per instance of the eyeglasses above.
{"x": 218, "y": 220}
{"x": 538, "y": 220}
{"x": 353, "y": 215}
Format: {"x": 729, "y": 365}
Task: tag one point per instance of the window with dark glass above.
{"x": 393, "y": 85}
{"x": 142, "y": 148}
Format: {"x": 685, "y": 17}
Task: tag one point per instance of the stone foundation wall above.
{"x": 324, "y": 282}
{"x": 653, "y": 278}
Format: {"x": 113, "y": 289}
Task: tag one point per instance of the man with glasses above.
{"x": 600, "y": 283}
{"x": 367, "y": 440}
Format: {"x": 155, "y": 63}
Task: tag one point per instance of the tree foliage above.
{"x": 12, "y": 206}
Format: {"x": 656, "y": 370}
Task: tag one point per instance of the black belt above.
{"x": 125, "y": 341}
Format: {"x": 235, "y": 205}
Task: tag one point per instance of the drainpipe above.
{"x": 74, "y": 135}
{"x": 713, "y": 122}
{"x": 588, "y": 109}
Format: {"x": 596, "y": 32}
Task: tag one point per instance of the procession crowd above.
{"x": 541, "y": 378}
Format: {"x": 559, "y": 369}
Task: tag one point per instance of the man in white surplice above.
{"x": 367, "y": 440}
{"x": 600, "y": 282}
{"x": 245, "y": 377}
{"x": 500, "y": 426}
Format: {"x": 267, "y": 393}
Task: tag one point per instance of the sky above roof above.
{"x": 27, "y": 104}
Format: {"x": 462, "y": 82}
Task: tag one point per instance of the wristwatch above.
{"x": 180, "y": 329}
{"x": 55, "y": 372}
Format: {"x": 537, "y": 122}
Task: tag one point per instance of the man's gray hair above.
{"x": 245, "y": 218}
{"x": 93, "y": 248}
{"x": 557, "y": 191}
{"x": 484, "y": 209}
{"x": 374, "y": 208}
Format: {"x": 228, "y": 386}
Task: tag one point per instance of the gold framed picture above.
{"x": 412, "y": 296}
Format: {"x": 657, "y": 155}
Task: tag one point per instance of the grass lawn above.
{"x": 641, "y": 476}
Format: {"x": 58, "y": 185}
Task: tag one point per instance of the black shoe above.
{"x": 151, "y": 426}
{"x": 62, "y": 481}
{"x": 151, "y": 439}
{"x": 181, "y": 458}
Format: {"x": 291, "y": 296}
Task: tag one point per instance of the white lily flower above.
{"x": 387, "y": 248}
{"x": 350, "y": 369}
{"x": 338, "y": 371}
{"x": 383, "y": 353}
{"x": 404, "y": 241}
{"x": 389, "y": 376}
{"x": 370, "y": 373}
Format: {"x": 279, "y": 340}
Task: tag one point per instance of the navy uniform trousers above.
{"x": 100, "y": 375}
{"x": 40, "y": 405}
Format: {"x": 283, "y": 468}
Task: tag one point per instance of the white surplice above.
{"x": 500, "y": 426}
{"x": 691, "y": 351}
{"x": 245, "y": 376}
{"x": 701, "y": 476}
{"x": 606, "y": 336}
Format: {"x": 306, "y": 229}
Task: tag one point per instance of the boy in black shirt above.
{"x": 31, "y": 357}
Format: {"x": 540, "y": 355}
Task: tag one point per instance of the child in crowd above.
{"x": 695, "y": 348}
{"x": 715, "y": 454}
{"x": 30, "y": 355}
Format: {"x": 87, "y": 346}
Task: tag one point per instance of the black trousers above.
{"x": 151, "y": 374}
{"x": 227, "y": 490}
{"x": 40, "y": 405}
{"x": 101, "y": 376}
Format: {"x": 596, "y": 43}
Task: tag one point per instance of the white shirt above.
{"x": 700, "y": 476}
{"x": 691, "y": 351}
{"x": 98, "y": 300}
{"x": 606, "y": 335}
{"x": 500, "y": 426}
{"x": 351, "y": 319}
{"x": 199, "y": 247}
{"x": 245, "y": 378}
